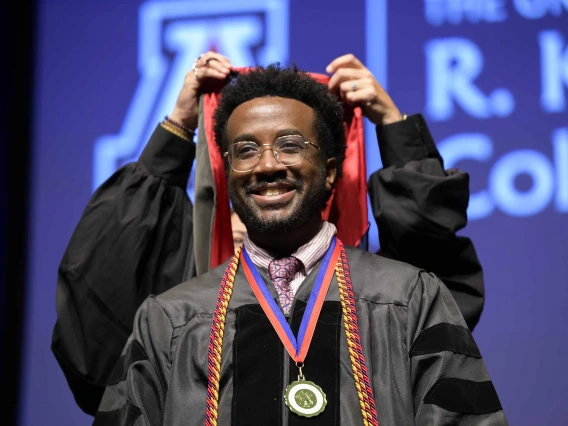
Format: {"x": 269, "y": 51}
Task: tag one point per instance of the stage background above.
{"x": 490, "y": 76}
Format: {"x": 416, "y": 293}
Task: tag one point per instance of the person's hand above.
{"x": 208, "y": 67}
{"x": 354, "y": 84}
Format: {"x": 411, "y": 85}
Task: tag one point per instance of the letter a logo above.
{"x": 171, "y": 35}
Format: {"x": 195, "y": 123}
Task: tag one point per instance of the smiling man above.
{"x": 297, "y": 328}
{"x": 281, "y": 197}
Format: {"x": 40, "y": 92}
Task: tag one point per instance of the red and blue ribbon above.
{"x": 296, "y": 347}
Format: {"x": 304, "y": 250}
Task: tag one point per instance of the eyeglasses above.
{"x": 288, "y": 151}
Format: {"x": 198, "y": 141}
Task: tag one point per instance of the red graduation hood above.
{"x": 346, "y": 208}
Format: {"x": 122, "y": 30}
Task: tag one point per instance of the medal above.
{"x": 305, "y": 398}
{"x": 302, "y": 396}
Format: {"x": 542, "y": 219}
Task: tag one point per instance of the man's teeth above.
{"x": 270, "y": 192}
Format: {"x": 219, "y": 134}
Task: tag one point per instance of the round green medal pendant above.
{"x": 305, "y": 398}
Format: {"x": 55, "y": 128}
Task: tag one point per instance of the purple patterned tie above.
{"x": 281, "y": 272}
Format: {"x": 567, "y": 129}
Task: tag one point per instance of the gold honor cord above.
{"x": 362, "y": 383}
{"x": 216, "y": 340}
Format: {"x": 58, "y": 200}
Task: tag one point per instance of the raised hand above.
{"x": 208, "y": 67}
{"x": 353, "y": 83}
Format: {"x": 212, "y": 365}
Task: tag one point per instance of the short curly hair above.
{"x": 275, "y": 80}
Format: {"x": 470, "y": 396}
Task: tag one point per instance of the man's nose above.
{"x": 267, "y": 163}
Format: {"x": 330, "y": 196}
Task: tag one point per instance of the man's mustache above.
{"x": 296, "y": 184}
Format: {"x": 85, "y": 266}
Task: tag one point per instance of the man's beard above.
{"x": 311, "y": 204}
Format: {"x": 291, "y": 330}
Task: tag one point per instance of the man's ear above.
{"x": 331, "y": 173}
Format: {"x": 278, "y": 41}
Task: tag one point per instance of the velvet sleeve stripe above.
{"x": 135, "y": 352}
{"x": 123, "y": 416}
{"x": 445, "y": 337}
{"x": 464, "y": 396}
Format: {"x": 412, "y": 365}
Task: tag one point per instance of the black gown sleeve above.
{"x": 133, "y": 239}
{"x": 419, "y": 208}
{"x": 140, "y": 384}
{"x": 449, "y": 379}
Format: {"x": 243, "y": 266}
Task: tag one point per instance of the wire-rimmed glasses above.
{"x": 288, "y": 151}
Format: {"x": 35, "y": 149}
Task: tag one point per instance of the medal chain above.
{"x": 362, "y": 383}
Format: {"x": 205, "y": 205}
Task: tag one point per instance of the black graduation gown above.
{"x": 422, "y": 361}
{"x": 135, "y": 238}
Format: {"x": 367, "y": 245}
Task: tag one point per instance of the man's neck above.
{"x": 286, "y": 244}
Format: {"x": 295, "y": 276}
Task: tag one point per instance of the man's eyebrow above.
{"x": 249, "y": 137}
{"x": 288, "y": 132}
{"x": 245, "y": 137}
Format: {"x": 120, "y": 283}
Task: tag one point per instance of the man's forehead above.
{"x": 268, "y": 103}
{"x": 270, "y": 114}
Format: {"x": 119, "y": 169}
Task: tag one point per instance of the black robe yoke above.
{"x": 423, "y": 363}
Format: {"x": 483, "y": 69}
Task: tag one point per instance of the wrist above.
{"x": 178, "y": 128}
{"x": 393, "y": 117}
{"x": 189, "y": 124}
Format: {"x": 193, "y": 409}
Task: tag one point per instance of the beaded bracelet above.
{"x": 179, "y": 125}
{"x": 176, "y": 130}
